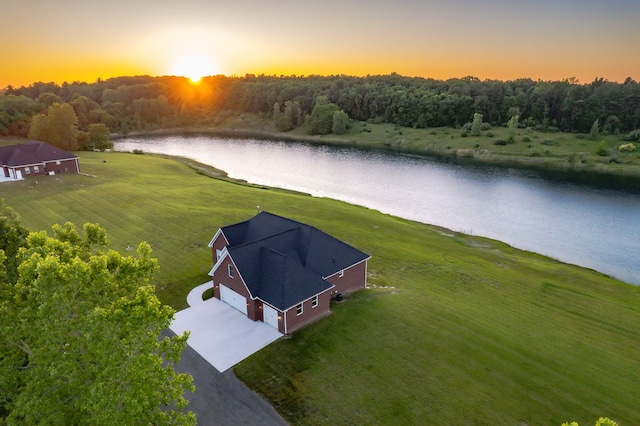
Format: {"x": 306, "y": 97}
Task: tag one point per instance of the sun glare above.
{"x": 194, "y": 67}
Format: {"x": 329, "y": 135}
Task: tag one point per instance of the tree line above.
{"x": 124, "y": 104}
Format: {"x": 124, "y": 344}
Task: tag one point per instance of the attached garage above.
{"x": 270, "y": 316}
{"x": 233, "y": 299}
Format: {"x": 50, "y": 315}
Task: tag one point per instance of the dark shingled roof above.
{"x": 32, "y": 152}
{"x": 283, "y": 262}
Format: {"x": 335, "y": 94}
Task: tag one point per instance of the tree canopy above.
{"x": 143, "y": 103}
{"x": 79, "y": 336}
{"x": 58, "y": 127}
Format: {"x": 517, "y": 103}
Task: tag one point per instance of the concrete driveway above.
{"x": 219, "y": 333}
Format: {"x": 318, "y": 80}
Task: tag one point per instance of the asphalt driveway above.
{"x": 220, "y": 338}
{"x": 221, "y": 399}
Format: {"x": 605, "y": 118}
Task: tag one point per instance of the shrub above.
{"x": 138, "y": 151}
{"x": 485, "y": 126}
{"x": 549, "y": 142}
{"x": 533, "y": 153}
{"x": 580, "y": 136}
{"x": 627, "y": 147}
{"x": 500, "y": 142}
{"x": 476, "y": 145}
{"x": 601, "y": 150}
{"x": 284, "y": 123}
{"x": 633, "y": 136}
{"x": 490, "y": 134}
{"x": 464, "y": 134}
{"x": 526, "y": 139}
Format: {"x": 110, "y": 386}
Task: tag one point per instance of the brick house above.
{"x": 35, "y": 158}
{"x": 283, "y": 272}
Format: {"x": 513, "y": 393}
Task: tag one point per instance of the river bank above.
{"x": 558, "y": 156}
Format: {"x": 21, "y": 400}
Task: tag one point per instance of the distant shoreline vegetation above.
{"x": 584, "y": 130}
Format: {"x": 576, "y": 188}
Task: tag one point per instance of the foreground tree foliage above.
{"x": 79, "y": 336}
{"x": 602, "y": 421}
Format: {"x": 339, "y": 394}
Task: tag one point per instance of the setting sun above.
{"x": 194, "y": 67}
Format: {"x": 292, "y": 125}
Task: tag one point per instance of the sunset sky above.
{"x": 69, "y": 40}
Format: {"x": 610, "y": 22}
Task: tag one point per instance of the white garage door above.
{"x": 270, "y": 316}
{"x": 233, "y": 299}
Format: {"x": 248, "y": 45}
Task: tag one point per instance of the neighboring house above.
{"x": 283, "y": 272}
{"x": 35, "y": 158}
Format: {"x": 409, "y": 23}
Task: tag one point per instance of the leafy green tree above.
{"x": 99, "y": 137}
{"x": 14, "y": 114}
{"x": 47, "y": 99}
{"x": 595, "y": 130}
{"x": 513, "y": 127}
{"x": 284, "y": 123}
{"x": 293, "y": 111}
{"x": 340, "y": 122}
{"x": 83, "y": 107}
{"x": 320, "y": 121}
{"x": 476, "y": 125}
{"x": 12, "y": 237}
{"x": 602, "y": 421}
{"x": 58, "y": 127}
{"x": 79, "y": 336}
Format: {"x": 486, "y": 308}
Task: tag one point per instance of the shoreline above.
{"x": 556, "y": 170}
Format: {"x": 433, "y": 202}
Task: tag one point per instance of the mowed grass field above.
{"x": 455, "y": 329}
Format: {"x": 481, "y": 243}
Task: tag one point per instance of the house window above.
{"x": 314, "y": 301}
{"x": 27, "y": 170}
{"x": 36, "y": 169}
{"x": 232, "y": 271}
{"x": 299, "y": 309}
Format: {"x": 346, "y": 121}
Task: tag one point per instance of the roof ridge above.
{"x": 266, "y": 237}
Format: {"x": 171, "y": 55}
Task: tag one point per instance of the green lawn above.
{"x": 456, "y": 329}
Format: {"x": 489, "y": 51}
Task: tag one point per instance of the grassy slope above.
{"x": 460, "y": 330}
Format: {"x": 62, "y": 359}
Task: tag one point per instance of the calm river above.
{"x": 596, "y": 228}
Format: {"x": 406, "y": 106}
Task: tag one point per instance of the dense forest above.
{"x": 125, "y": 104}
